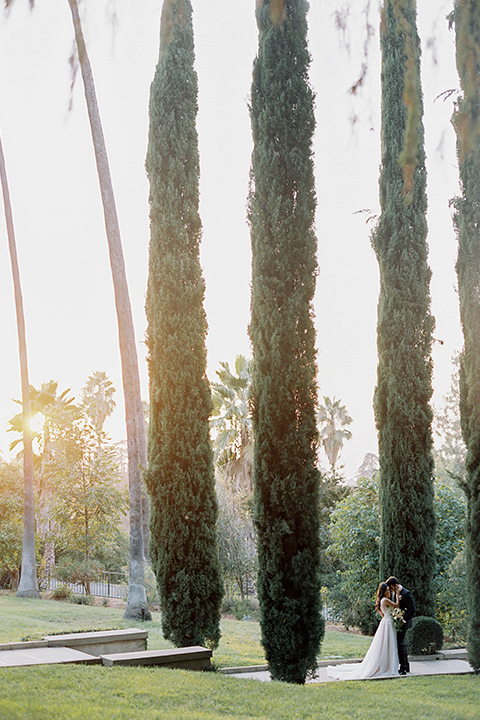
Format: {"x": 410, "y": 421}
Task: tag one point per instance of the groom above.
{"x": 407, "y": 604}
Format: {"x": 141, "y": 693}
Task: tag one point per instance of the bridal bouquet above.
{"x": 398, "y": 618}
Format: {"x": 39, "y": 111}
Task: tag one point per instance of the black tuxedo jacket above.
{"x": 407, "y": 604}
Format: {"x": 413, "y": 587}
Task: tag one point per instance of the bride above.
{"x": 381, "y": 659}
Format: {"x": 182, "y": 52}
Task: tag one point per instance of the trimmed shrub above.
{"x": 246, "y": 609}
{"x": 425, "y": 637}
{"x": 62, "y": 592}
{"x": 82, "y": 600}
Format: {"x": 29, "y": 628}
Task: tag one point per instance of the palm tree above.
{"x": 56, "y": 410}
{"x": 97, "y": 398}
{"x": 28, "y": 586}
{"x": 332, "y": 419}
{"x": 137, "y": 606}
{"x": 232, "y": 424}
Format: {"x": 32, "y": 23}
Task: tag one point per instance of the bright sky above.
{"x": 68, "y": 297}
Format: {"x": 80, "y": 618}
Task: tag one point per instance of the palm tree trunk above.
{"x": 137, "y": 606}
{"x": 28, "y": 586}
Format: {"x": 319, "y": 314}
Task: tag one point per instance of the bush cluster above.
{"x": 82, "y": 599}
{"x": 246, "y": 609}
{"x": 62, "y": 592}
{"x": 425, "y": 636}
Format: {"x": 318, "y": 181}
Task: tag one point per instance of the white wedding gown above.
{"x": 381, "y": 659}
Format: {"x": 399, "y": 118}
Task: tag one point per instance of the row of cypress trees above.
{"x": 281, "y": 214}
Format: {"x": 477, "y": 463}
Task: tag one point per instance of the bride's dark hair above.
{"x": 382, "y": 589}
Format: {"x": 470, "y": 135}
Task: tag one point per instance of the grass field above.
{"x": 95, "y": 692}
{"x": 23, "y": 619}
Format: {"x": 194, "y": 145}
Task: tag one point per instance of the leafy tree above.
{"x": 180, "y": 477}
{"x": 404, "y": 332}
{"x": 333, "y": 419}
{"x": 452, "y": 609}
{"x": 28, "y": 586}
{"x": 63, "y": 444}
{"x": 355, "y": 531}
{"x": 466, "y": 17}
{"x": 232, "y": 424}
{"x": 281, "y": 214}
{"x": 451, "y": 580}
{"x": 331, "y": 492}
{"x": 236, "y": 543}
{"x": 86, "y": 504}
{"x": 11, "y": 522}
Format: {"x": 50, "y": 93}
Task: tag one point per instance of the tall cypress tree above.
{"x": 404, "y": 334}
{"x": 281, "y": 212}
{"x": 180, "y": 475}
{"x": 467, "y": 223}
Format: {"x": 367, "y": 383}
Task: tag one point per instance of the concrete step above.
{"x": 102, "y": 642}
{"x": 45, "y": 656}
{"x": 186, "y": 658}
{"x": 24, "y": 645}
{"x": 457, "y": 654}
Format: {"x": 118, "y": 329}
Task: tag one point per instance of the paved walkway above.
{"x": 449, "y": 662}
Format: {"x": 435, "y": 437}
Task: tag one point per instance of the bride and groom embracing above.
{"x": 387, "y": 651}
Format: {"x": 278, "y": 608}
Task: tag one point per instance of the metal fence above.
{"x": 107, "y": 584}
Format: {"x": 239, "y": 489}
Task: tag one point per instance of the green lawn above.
{"x": 23, "y": 619}
{"x": 74, "y": 692}
{"x": 96, "y": 693}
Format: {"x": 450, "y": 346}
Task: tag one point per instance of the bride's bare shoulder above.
{"x": 385, "y": 602}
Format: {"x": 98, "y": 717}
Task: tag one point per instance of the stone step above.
{"x": 23, "y": 645}
{"x": 102, "y": 642}
{"x": 45, "y": 656}
{"x": 186, "y": 658}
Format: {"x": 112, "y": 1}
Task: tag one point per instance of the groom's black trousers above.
{"x": 402, "y": 650}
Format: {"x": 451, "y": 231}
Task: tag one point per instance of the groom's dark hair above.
{"x": 392, "y": 581}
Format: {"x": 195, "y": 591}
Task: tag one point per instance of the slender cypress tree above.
{"x": 180, "y": 475}
{"x": 467, "y": 223}
{"x": 404, "y": 334}
{"x": 281, "y": 213}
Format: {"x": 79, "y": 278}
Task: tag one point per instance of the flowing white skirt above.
{"x": 381, "y": 659}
